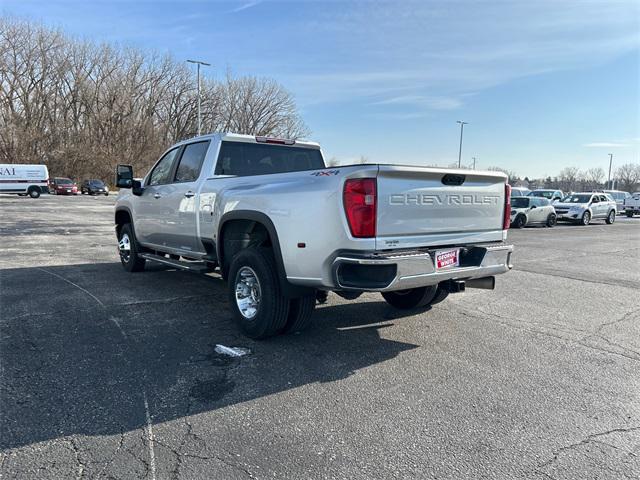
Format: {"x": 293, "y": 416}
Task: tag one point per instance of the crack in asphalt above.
{"x": 633, "y": 356}
{"x": 569, "y": 277}
{"x": 180, "y": 454}
{"x": 623, "y": 318}
{"x": 109, "y": 462}
{"x": 76, "y": 451}
{"x": 592, "y": 438}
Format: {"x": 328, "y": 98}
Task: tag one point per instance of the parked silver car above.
{"x": 584, "y": 207}
{"x": 532, "y": 210}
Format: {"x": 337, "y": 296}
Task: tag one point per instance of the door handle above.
{"x": 156, "y": 195}
{"x": 189, "y": 194}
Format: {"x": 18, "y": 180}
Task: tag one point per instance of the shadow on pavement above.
{"x": 81, "y": 346}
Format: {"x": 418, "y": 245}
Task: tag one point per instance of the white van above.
{"x": 29, "y": 180}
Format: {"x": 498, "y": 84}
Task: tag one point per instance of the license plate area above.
{"x": 445, "y": 259}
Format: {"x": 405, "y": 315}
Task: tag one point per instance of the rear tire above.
{"x": 552, "y": 219}
{"x": 629, "y": 214}
{"x": 300, "y": 315}
{"x": 255, "y": 297}
{"x": 412, "y": 298}
{"x": 129, "y": 249}
{"x": 441, "y": 295}
{"x": 611, "y": 217}
{"x": 519, "y": 222}
{"x": 586, "y": 218}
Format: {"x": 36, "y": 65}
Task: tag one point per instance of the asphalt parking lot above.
{"x": 106, "y": 374}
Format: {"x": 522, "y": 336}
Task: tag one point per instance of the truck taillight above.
{"x": 507, "y": 207}
{"x": 360, "y": 200}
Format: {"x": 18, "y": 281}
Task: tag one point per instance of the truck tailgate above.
{"x": 421, "y": 206}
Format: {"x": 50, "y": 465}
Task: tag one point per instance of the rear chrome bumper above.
{"x": 383, "y": 272}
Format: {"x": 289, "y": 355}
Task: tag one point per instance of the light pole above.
{"x": 474, "y": 162}
{"x": 198, "y": 63}
{"x": 462, "y": 124}
{"x": 610, "y": 162}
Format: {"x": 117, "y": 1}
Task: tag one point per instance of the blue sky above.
{"x": 543, "y": 84}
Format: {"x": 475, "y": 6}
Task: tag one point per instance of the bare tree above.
{"x": 592, "y": 178}
{"x": 81, "y": 108}
{"x": 568, "y": 178}
{"x": 628, "y": 177}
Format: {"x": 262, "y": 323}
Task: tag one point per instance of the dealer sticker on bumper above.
{"x": 447, "y": 258}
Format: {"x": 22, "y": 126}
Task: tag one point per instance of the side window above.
{"x": 603, "y": 198}
{"x": 191, "y": 162}
{"x": 595, "y": 199}
{"x": 544, "y": 202}
{"x": 161, "y": 174}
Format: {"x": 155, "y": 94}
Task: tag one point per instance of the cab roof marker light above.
{"x": 278, "y": 141}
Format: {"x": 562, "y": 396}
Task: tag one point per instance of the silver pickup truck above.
{"x": 283, "y": 229}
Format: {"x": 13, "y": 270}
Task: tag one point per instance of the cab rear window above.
{"x": 245, "y": 159}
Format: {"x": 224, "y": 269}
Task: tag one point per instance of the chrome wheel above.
{"x": 124, "y": 247}
{"x": 248, "y": 292}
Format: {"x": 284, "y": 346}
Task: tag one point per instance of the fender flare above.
{"x": 122, "y": 209}
{"x": 288, "y": 289}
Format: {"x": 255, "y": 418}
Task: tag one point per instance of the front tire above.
{"x": 129, "y": 249}
{"x": 611, "y": 217}
{"x": 586, "y": 218}
{"x": 34, "y": 193}
{"x": 629, "y": 214}
{"x": 413, "y": 298}
{"x": 255, "y": 297}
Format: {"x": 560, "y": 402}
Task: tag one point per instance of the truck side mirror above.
{"x": 137, "y": 188}
{"x": 124, "y": 176}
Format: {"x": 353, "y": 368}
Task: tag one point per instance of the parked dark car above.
{"x": 63, "y": 186}
{"x": 94, "y": 187}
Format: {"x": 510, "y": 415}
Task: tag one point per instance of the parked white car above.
{"x": 584, "y": 207}
{"x": 531, "y": 211}
{"x": 23, "y": 179}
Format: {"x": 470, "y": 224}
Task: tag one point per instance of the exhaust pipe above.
{"x": 486, "y": 283}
